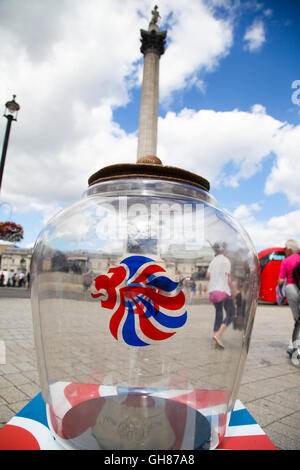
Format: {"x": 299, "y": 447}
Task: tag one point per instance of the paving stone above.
{"x": 5, "y": 414}
{"x": 270, "y": 386}
{"x": 289, "y": 435}
{"x": 30, "y": 389}
{"x": 7, "y": 369}
{"x": 12, "y": 394}
{"x": 281, "y": 441}
{"x": 17, "y": 379}
{"x": 4, "y": 382}
{"x": 290, "y": 399}
{"x": 292, "y": 420}
{"x": 33, "y": 376}
{"x": 268, "y": 411}
{"x": 26, "y": 366}
{"x": 18, "y": 406}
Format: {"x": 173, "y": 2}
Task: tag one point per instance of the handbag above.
{"x": 280, "y": 294}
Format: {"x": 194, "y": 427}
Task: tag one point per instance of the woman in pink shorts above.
{"x": 292, "y": 290}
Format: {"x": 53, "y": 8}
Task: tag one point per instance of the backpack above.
{"x": 280, "y": 294}
{"x": 296, "y": 275}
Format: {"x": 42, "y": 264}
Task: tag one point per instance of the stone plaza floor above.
{"x": 270, "y": 386}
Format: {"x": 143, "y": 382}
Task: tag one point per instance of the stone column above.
{"x": 153, "y": 44}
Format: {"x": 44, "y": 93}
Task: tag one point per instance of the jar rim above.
{"x": 149, "y": 186}
{"x": 149, "y": 170}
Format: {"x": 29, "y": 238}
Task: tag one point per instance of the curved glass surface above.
{"x": 125, "y": 318}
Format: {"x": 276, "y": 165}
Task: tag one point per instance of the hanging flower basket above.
{"x": 11, "y": 232}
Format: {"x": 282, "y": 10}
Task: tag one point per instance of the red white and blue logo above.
{"x": 147, "y": 306}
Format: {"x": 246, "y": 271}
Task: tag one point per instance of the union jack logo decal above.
{"x": 147, "y": 306}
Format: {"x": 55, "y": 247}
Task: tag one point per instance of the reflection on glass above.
{"x": 123, "y": 322}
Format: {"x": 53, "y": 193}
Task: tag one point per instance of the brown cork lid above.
{"x": 148, "y": 167}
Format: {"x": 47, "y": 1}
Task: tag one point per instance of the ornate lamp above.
{"x": 11, "y": 109}
{"x": 11, "y": 112}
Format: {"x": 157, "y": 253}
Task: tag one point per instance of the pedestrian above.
{"x": 192, "y": 288}
{"x": 87, "y": 280}
{"x": 220, "y": 291}
{"x": 21, "y": 279}
{"x": 292, "y": 291}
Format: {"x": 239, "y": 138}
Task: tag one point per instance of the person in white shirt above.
{"x": 220, "y": 291}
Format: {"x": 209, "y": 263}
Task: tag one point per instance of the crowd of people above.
{"x": 14, "y": 279}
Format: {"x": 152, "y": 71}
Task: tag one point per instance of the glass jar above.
{"x": 126, "y": 319}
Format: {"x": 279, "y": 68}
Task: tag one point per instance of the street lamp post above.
{"x": 11, "y": 111}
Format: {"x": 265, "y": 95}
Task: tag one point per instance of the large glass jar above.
{"x": 124, "y": 316}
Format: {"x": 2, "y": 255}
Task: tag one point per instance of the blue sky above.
{"x": 226, "y": 105}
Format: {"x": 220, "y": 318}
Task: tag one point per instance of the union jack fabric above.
{"x": 29, "y": 429}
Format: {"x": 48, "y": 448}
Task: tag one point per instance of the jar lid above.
{"x": 148, "y": 167}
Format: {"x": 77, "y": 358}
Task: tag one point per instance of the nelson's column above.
{"x": 153, "y": 46}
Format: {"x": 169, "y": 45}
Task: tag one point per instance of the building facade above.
{"x": 15, "y": 260}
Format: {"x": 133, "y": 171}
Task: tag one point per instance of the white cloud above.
{"x": 255, "y": 36}
{"x": 188, "y": 53}
{"x": 258, "y": 109}
{"x": 75, "y": 228}
{"x": 284, "y": 177}
{"x": 71, "y": 63}
{"x": 67, "y": 78}
{"x": 245, "y": 213}
{"x": 268, "y": 12}
{"x": 271, "y": 232}
{"x": 208, "y": 140}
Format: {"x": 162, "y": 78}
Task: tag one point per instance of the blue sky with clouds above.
{"x": 227, "y": 106}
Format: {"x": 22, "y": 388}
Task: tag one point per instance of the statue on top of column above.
{"x": 153, "y": 40}
{"x": 155, "y": 16}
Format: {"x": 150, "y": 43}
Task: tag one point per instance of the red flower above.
{"x": 10, "y": 231}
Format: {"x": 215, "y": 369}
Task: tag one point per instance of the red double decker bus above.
{"x": 270, "y": 260}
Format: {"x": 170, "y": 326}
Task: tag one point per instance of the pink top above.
{"x": 287, "y": 266}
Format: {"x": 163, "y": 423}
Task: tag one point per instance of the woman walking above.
{"x": 286, "y": 274}
{"x": 220, "y": 291}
